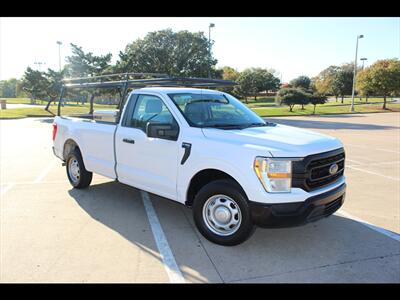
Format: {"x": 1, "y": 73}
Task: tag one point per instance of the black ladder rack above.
{"x": 123, "y": 81}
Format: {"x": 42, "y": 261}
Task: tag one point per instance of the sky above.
{"x": 291, "y": 46}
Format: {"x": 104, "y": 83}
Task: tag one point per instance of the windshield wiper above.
{"x": 209, "y": 100}
{"x": 224, "y": 126}
{"x": 258, "y": 124}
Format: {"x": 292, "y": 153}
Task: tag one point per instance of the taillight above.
{"x": 54, "y": 131}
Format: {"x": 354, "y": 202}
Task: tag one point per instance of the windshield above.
{"x": 215, "y": 110}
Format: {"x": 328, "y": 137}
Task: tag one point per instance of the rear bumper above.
{"x": 55, "y": 153}
{"x": 298, "y": 213}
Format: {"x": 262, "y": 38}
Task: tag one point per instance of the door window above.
{"x": 150, "y": 109}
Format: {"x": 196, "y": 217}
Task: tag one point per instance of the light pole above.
{"x": 59, "y": 55}
{"x": 39, "y": 63}
{"x": 354, "y": 75}
{"x": 363, "y": 60}
{"x": 209, "y": 47}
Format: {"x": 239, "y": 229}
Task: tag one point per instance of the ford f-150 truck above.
{"x": 207, "y": 150}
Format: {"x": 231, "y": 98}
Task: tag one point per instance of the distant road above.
{"x": 12, "y": 106}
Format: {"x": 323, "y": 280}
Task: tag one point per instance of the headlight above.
{"x": 274, "y": 174}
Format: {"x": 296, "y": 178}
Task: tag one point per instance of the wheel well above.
{"x": 69, "y": 146}
{"x": 201, "y": 179}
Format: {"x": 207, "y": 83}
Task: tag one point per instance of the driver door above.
{"x": 145, "y": 162}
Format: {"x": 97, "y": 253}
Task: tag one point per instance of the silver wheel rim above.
{"x": 73, "y": 170}
{"x": 222, "y": 215}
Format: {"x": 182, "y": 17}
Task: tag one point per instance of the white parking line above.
{"x": 45, "y": 171}
{"x": 383, "y": 163}
{"x": 170, "y": 265}
{"x": 381, "y": 230}
{"x": 370, "y": 172}
{"x": 4, "y": 190}
{"x": 354, "y": 161}
{"x": 33, "y": 182}
{"x": 387, "y": 150}
{"x": 373, "y": 163}
{"x": 366, "y": 147}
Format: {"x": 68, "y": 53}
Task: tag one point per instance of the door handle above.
{"x": 187, "y": 147}
{"x": 129, "y": 141}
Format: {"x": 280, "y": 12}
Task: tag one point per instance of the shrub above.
{"x": 292, "y": 96}
{"x": 317, "y": 99}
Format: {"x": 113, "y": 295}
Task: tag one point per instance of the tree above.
{"x": 252, "y": 81}
{"x": 364, "y": 84}
{"x": 292, "y": 96}
{"x": 265, "y": 80}
{"x": 342, "y": 83}
{"x": 323, "y": 81}
{"x": 383, "y": 78}
{"x": 181, "y": 53}
{"x": 53, "y": 85}
{"x": 316, "y": 99}
{"x": 229, "y": 73}
{"x": 35, "y": 84}
{"x": 82, "y": 64}
{"x": 43, "y": 85}
{"x": 246, "y": 84}
{"x": 8, "y": 88}
{"x": 302, "y": 82}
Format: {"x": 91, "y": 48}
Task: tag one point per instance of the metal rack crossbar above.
{"x": 124, "y": 75}
{"x": 122, "y": 85}
{"x": 162, "y": 81}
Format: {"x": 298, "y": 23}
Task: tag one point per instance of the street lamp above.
{"x": 59, "y": 55}
{"x": 363, "y": 60}
{"x": 39, "y": 63}
{"x": 209, "y": 47}
{"x": 354, "y": 74}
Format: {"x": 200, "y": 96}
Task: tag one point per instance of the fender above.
{"x": 186, "y": 174}
{"x": 65, "y": 134}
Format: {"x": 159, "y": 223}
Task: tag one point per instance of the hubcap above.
{"x": 74, "y": 170}
{"x": 222, "y": 215}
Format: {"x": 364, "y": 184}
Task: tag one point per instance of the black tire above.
{"x": 231, "y": 189}
{"x": 85, "y": 177}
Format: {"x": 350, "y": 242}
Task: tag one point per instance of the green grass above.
{"x": 19, "y": 100}
{"x": 43, "y": 102}
{"x": 263, "y": 107}
{"x": 323, "y": 109}
{"x": 68, "y": 109}
{"x": 267, "y": 107}
{"x": 23, "y": 113}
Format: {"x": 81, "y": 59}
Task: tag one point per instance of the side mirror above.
{"x": 162, "y": 131}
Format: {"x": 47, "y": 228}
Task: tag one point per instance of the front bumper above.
{"x": 298, "y": 213}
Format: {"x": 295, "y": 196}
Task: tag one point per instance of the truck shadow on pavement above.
{"x": 49, "y": 120}
{"x": 318, "y": 124}
{"x": 335, "y": 249}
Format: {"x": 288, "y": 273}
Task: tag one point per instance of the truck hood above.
{"x": 279, "y": 140}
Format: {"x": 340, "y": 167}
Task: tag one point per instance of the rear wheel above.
{"x": 222, "y": 214}
{"x": 77, "y": 174}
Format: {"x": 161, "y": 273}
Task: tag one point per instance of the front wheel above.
{"x": 77, "y": 174}
{"x": 221, "y": 213}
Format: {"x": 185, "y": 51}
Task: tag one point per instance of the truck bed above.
{"x": 95, "y": 139}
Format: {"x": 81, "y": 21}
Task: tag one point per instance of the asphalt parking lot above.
{"x": 50, "y": 232}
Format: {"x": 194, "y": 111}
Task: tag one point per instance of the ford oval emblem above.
{"x": 333, "y": 169}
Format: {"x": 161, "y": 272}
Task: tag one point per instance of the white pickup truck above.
{"x": 207, "y": 150}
